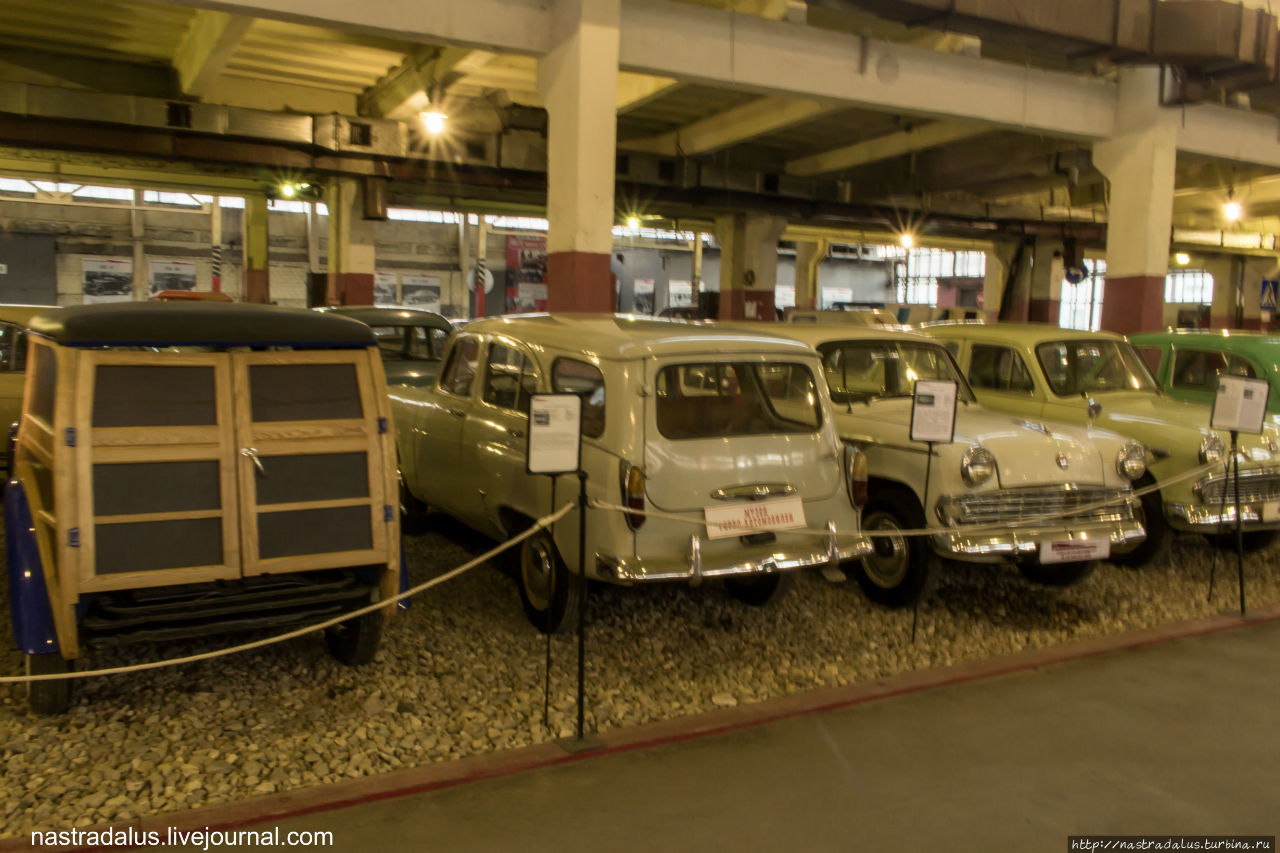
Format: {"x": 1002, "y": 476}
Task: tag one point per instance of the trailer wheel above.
{"x": 355, "y": 641}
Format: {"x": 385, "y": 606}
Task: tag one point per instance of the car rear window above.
{"x": 570, "y": 376}
{"x": 718, "y": 399}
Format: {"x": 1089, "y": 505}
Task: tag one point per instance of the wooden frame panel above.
{"x": 315, "y": 437}
{"x": 155, "y": 444}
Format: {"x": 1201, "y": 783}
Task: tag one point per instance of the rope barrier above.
{"x": 545, "y": 521}
{"x": 1039, "y": 522}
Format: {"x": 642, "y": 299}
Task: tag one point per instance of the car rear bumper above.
{"x": 790, "y": 552}
{"x": 1206, "y": 518}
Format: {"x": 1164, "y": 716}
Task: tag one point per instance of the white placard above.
{"x": 384, "y": 290}
{"x": 107, "y": 280}
{"x": 555, "y": 433}
{"x": 420, "y": 290}
{"x": 1240, "y": 404}
{"x": 171, "y": 275}
{"x": 742, "y": 518}
{"x": 933, "y": 411}
{"x": 1074, "y": 550}
{"x": 679, "y": 293}
{"x": 785, "y": 296}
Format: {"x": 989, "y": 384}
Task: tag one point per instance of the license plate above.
{"x": 1271, "y": 511}
{"x": 1074, "y": 550}
{"x": 742, "y": 518}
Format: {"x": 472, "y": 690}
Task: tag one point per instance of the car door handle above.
{"x": 252, "y": 453}
{"x": 457, "y": 413}
{"x": 515, "y": 432}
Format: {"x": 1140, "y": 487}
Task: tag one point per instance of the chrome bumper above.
{"x": 1202, "y": 518}
{"x": 989, "y": 547}
{"x": 805, "y": 552}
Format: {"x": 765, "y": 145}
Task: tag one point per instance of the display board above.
{"x": 1240, "y": 404}
{"x": 933, "y": 411}
{"x": 555, "y": 434}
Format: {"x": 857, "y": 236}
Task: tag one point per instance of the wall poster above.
{"x": 384, "y": 290}
{"x": 107, "y": 280}
{"x": 171, "y": 275}
{"x": 526, "y": 274}
{"x": 420, "y": 290}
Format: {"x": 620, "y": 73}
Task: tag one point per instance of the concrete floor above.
{"x": 1178, "y": 737}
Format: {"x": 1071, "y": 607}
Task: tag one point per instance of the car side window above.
{"x": 509, "y": 378}
{"x": 1151, "y": 356}
{"x": 568, "y": 375}
{"x": 8, "y": 347}
{"x": 460, "y": 372}
{"x": 997, "y": 368}
{"x": 1237, "y": 366}
{"x": 1198, "y": 370}
{"x": 437, "y": 339}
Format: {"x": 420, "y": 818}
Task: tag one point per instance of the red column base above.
{"x": 1043, "y": 311}
{"x": 351, "y": 288}
{"x": 1018, "y": 312}
{"x": 747, "y": 305}
{"x": 580, "y": 281}
{"x": 1133, "y": 303}
{"x": 257, "y": 286}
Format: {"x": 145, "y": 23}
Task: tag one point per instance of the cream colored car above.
{"x": 1001, "y": 469}
{"x": 678, "y": 420}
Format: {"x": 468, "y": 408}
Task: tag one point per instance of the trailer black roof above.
{"x": 214, "y": 324}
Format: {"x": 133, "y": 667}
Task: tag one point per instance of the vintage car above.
{"x": 1187, "y": 363}
{"x": 874, "y": 317}
{"x": 678, "y": 420}
{"x": 411, "y": 340}
{"x": 185, "y": 469}
{"x": 13, "y": 358}
{"x": 1000, "y": 470}
{"x": 1042, "y": 371}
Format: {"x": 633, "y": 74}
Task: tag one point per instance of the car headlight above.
{"x": 1211, "y": 448}
{"x": 1132, "y": 460}
{"x": 977, "y": 465}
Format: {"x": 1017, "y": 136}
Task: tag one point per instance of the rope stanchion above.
{"x": 545, "y": 521}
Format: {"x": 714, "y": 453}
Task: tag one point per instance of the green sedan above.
{"x": 1188, "y": 362}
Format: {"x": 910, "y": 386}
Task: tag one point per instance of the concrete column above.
{"x": 141, "y": 287}
{"x": 809, "y": 256}
{"x": 1139, "y": 162}
{"x": 578, "y": 82}
{"x": 999, "y": 257}
{"x": 1014, "y": 284}
{"x": 748, "y": 265}
{"x": 1046, "y": 281}
{"x": 257, "y": 278}
{"x": 351, "y": 245}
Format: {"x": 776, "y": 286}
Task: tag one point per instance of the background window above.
{"x": 1185, "y": 285}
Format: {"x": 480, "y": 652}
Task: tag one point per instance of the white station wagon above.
{"x": 677, "y": 420}
{"x": 1001, "y": 469}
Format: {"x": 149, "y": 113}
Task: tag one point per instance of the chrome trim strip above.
{"x": 753, "y": 491}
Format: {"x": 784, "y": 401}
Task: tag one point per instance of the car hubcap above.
{"x": 537, "y": 566}
{"x": 887, "y": 565}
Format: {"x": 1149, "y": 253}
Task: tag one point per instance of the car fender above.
{"x": 29, "y": 606}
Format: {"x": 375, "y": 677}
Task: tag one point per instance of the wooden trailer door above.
{"x": 153, "y": 433}
{"x": 310, "y": 440}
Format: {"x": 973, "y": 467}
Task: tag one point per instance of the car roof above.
{"x": 22, "y": 314}
{"x": 1025, "y": 334}
{"x": 376, "y": 316}
{"x": 1224, "y": 339}
{"x": 815, "y": 334}
{"x": 628, "y": 336}
{"x": 198, "y": 324}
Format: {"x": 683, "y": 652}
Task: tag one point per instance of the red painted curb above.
{"x": 432, "y": 777}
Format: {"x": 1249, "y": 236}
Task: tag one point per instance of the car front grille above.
{"x": 1067, "y": 502}
{"x": 1256, "y": 485}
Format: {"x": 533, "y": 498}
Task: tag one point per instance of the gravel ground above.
{"x": 462, "y": 672}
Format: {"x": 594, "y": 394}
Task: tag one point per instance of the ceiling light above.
{"x": 907, "y": 241}
{"x": 288, "y": 190}
{"x": 633, "y": 222}
{"x": 1232, "y": 211}
{"x": 1182, "y": 258}
{"x": 433, "y": 121}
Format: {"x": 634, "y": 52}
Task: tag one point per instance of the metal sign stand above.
{"x": 928, "y": 476}
{"x": 933, "y": 420}
{"x": 1235, "y": 477}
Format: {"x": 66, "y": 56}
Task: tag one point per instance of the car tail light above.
{"x": 855, "y": 472}
{"x": 633, "y": 494}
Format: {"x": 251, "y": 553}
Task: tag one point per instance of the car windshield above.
{"x": 409, "y": 343}
{"x": 714, "y": 400}
{"x": 1092, "y": 366}
{"x": 859, "y": 371}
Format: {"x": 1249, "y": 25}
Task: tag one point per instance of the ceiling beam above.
{"x": 733, "y": 126}
{"x": 637, "y": 90}
{"x": 405, "y": 92}
{"x": 206, "y": 48}
{"x": 884, "y": 147}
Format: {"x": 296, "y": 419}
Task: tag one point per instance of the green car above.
{"x": 1187, "y": 362}
{"x": 1042, "y": 371}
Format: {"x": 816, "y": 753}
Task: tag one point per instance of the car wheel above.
{"x": 355, "y": 641}
{"x": 1254, "y": 540}
{"x": 1150, "y": 512}
{"x": 550, "y": 594}
{"x": 761, "y": 590}
{"x": 48, "y": 697}
{"x": 1056, "y": 574}
{"x": 413, "y": 512}
{"x": 902, "y": 570}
